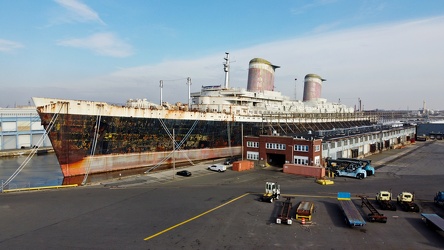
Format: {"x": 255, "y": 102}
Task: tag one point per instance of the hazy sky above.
{"x": 388, "y": 54}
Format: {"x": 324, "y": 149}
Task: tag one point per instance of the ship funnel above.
{"x": 261, "y": 75}
{"x": 312, "y": 87}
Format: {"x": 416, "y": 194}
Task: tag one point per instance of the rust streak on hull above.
{"x": 109, "y": 163}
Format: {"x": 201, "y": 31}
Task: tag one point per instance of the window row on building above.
{"x": 252, "y": 155}
{"x": 280, "y": 146}
{"x": 302, "y": 160}
{"x": 252, "y": 144}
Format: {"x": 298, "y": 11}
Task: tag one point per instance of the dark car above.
{"x": 184, "y": 173}
{"x": 230, "y": 160}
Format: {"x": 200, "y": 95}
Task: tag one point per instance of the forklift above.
{"x": 272, "y": 192}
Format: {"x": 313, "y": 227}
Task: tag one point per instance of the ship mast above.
{"x": 189, "y": 91}
{"x": 227, "y": 68}
{"x": 161, "y": 92}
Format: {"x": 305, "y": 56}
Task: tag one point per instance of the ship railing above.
{"x": 331, "y": 117}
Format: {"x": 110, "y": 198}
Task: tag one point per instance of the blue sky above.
{"x": 389, "y": 54}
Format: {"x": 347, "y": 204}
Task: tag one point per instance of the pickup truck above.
{"x": 217, "y": 167}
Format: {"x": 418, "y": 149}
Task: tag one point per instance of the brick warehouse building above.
{"x": 277, "y": 150}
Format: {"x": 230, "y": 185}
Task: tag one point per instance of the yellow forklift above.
{"x": 272, "y": 192}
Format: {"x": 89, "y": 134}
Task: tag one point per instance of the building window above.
{"x": 277, "y": 146}
{"x": 324, "y": 146}
{"x": 301, "y": 160}
{"x": 302, "y": 148}
{"x": 252, "y": 144}
{"x": 317, "y": 161}
{"x": 317, "y": 148}
{"x": 252, "y": 155}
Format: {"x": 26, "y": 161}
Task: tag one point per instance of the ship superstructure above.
{"x": 94, "y": 137}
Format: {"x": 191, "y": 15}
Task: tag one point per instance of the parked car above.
{"x": 184, "y": 173}
{"x": 218, "y": 168}
{"x": 230, "y": 160}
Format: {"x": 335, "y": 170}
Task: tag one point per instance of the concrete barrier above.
{"x": 304, "y": 170}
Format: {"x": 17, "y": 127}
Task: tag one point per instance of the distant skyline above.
{"x": 388, "y": 54}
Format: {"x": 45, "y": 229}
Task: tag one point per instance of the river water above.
{"x": 44, "y": 170}
{"x": 41, "y": 170}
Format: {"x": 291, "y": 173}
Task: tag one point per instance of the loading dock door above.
{"x": 276, "y": 160}
{"x": 355, "y": 153}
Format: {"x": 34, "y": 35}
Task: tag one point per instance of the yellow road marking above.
{"x": 314, "y": 196}
{"x": 304, "y": 195}
{"x": 311, "y": 196}
{"x": 38, "y": 188}
{"x": 325, "y": 196}
{"x": 195, "y": 217}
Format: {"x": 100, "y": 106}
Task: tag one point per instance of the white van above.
{"x": 218, "y": 168}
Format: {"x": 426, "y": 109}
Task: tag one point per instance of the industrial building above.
{"x": 314, "y": 147}
{"x": 277, "y": 150}
{"x": 21, "y": 128}
{"x": 361, "y": 144}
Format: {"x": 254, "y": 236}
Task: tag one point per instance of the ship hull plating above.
{"x": 87, "y": 144}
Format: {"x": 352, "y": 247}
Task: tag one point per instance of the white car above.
{"x": 218, "y": 168}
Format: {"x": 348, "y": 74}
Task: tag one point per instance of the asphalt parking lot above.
{"x": 211, "y": 210}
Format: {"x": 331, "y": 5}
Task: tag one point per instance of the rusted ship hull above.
{"x": 87, "y": 144}
{"x": 84, "y": 146}
{"x": 115, "y": 162}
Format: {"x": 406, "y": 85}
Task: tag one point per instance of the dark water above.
{"x": 44, "y": 170}
{"x": 41, "y": 170}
